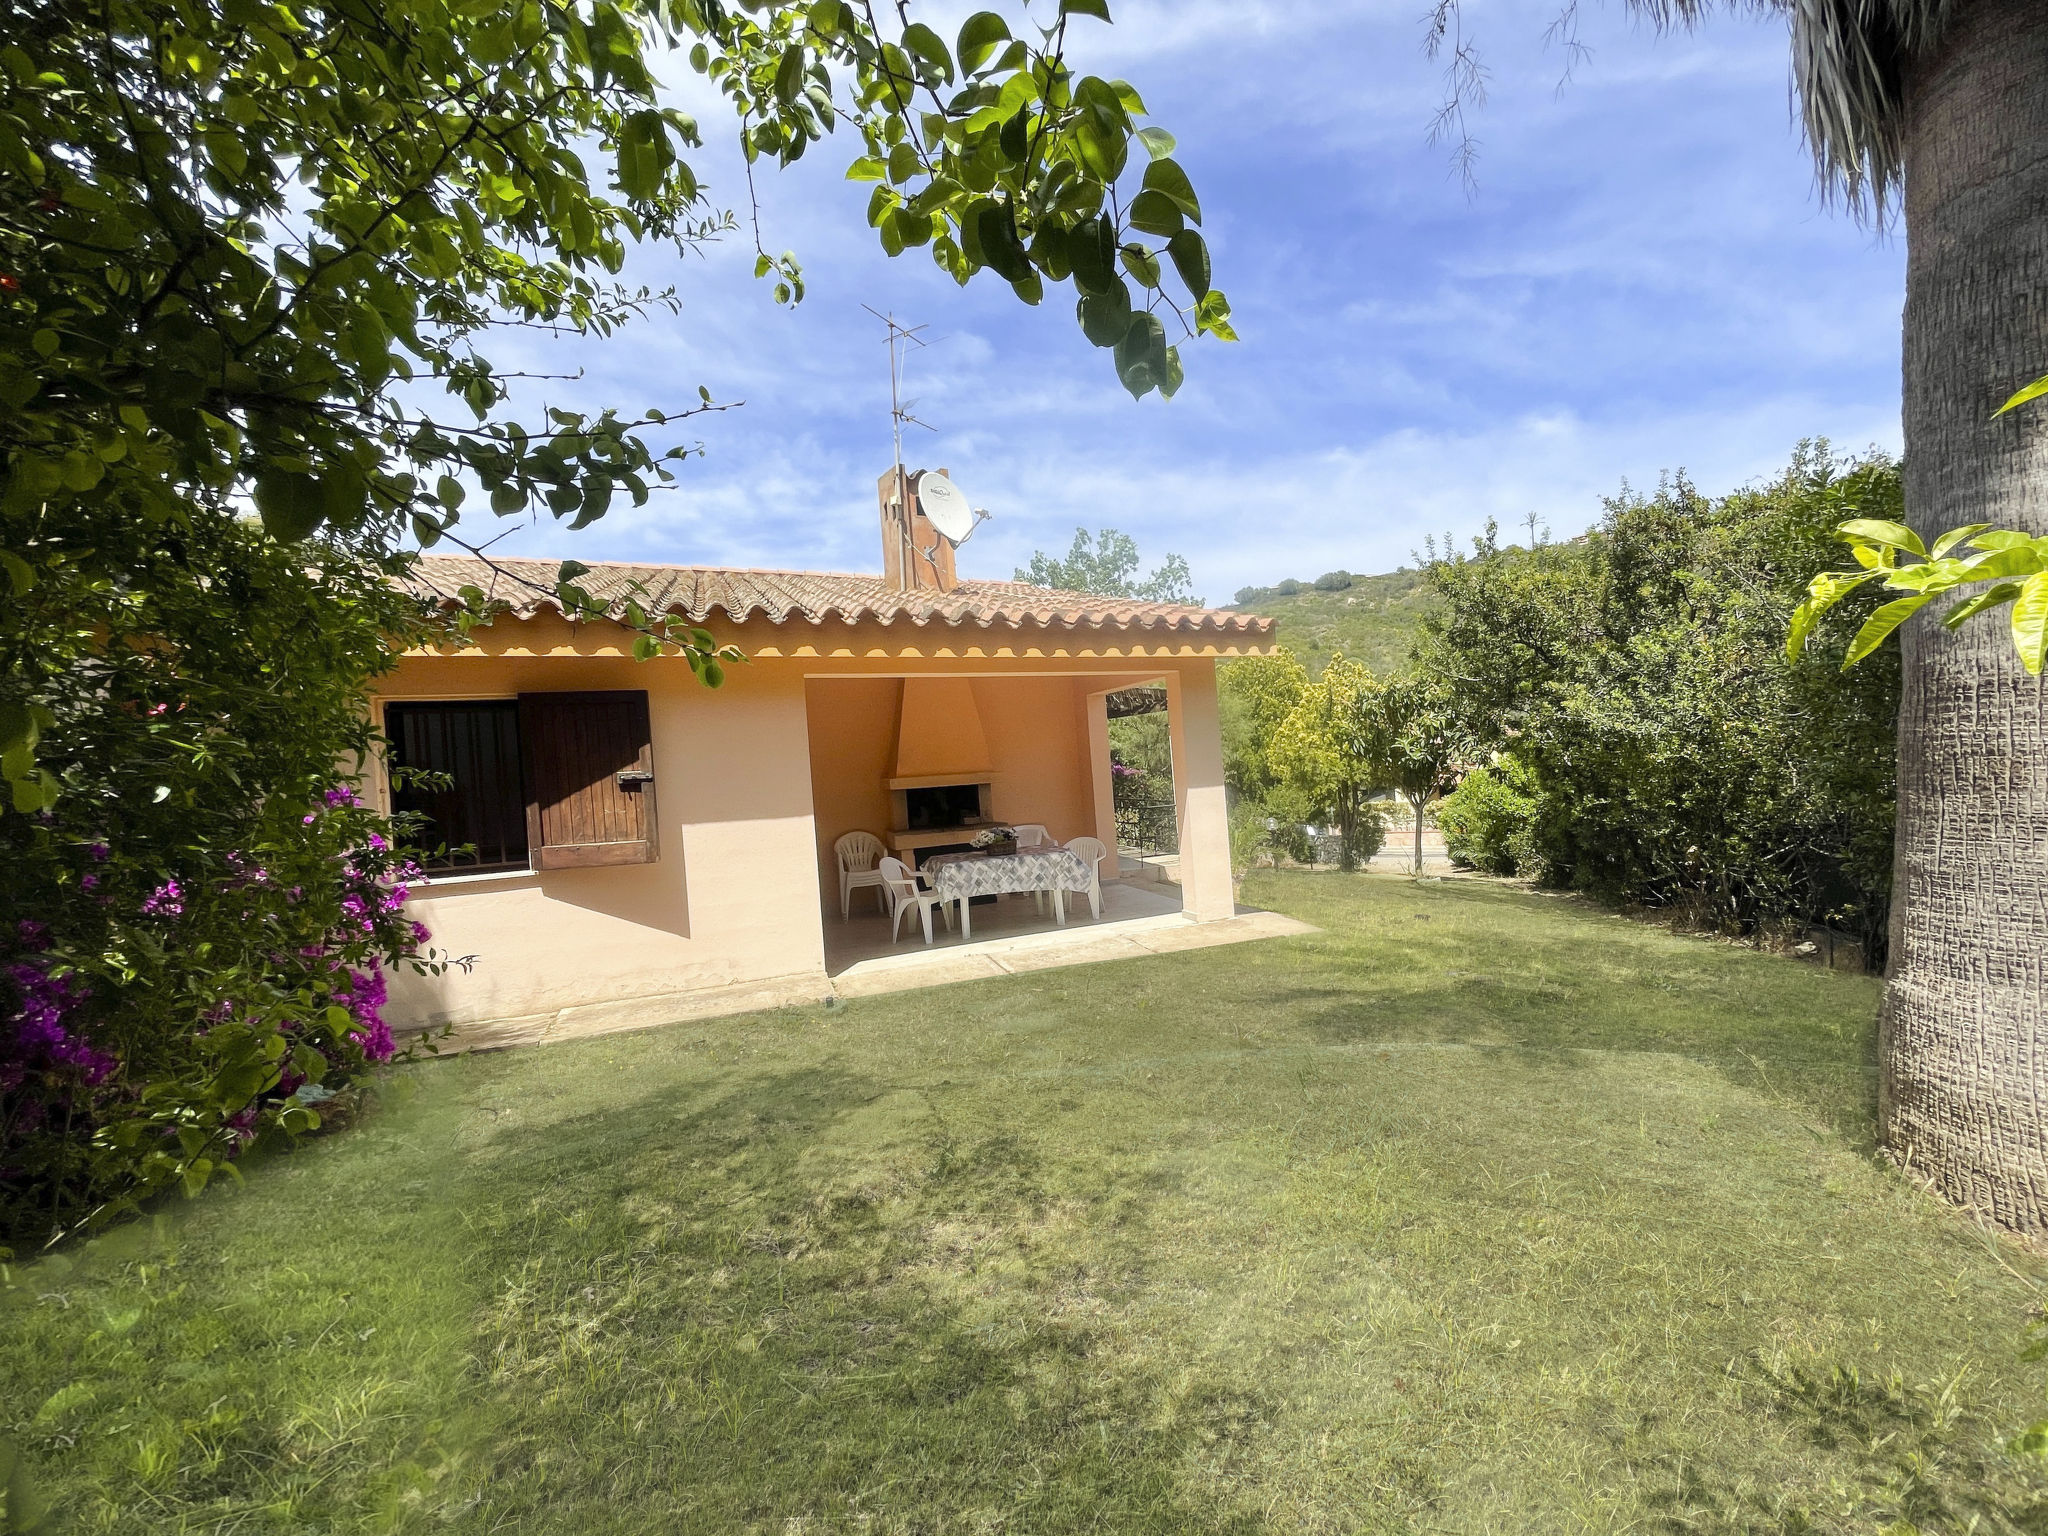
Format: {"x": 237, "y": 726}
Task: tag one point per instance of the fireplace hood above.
{"x": 939, "y": 739}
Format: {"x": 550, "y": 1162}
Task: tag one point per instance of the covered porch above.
{"x": 924, "y": 758}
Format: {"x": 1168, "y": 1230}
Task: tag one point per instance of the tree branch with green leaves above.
{"x": 2008, "y": 568}
{"x": 251, "y": 254}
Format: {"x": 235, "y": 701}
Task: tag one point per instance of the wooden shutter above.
{"x": 589, "y": 770}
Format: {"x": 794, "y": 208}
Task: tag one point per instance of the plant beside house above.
{"x": 197, "y": 927}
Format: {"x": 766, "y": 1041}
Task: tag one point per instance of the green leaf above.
{"x": 930, "y": 49}
{"x": 1104, "y": 144}
{"x": 2030, "y": 622}
{"x": 1212, "y": 314}
{"x": 1822, "y": 593}
{"x": 1157, "y": 141}
{"x": 1141, "y": 355}
{"x": 2021, "y": 396}
{"x": 2013, "y": 560}
{"x": 1091, "y": 250}
{"x": 789, "y": 74}
{"x": 866, "y": 168}
{"x": 1170, "y": 375}
{"x": 980, "y": 35}
{"x": 2004, "y": 538}
{"x": 20, "y": 574}
{"x": 1142, "y": 265}
{"x": 1106, "y": 317}
{"x": 1049, "y": 251}
{"x": 1015, "y": 137}
{"x": 292, "y": 505}
{"x": 1156, "y": 214}
{"x": 903, "y": 163}
{"x": 645, "y": 153}
{"x": 1096, "y": 8}
{"x": 1991, "y": 597}
{"x": 1873, "y": 530}
{"x": 1000, "y": 247}
{"x": 1878, "y": 627}
{"x": 1955, "y": 536}
{"x": 1190, "y": 253}
{"x": 1166, "y": 176}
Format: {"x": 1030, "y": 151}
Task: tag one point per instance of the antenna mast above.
{"x": 901, "y": 338}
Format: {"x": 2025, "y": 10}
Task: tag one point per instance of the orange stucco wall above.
{"x": 853, "y": 744}
{"x": 731, "y": 898}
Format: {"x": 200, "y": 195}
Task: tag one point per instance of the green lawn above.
{"x": 1480, "y": 1211}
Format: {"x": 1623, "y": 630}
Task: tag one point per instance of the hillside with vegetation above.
{"x": 1372, "y": 619}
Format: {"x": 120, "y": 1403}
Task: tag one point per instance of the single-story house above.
{"x": 640, "y": 847}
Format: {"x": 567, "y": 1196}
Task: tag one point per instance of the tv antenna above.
{"x": 943, "y": 503}
{"x": 901, "y": 339}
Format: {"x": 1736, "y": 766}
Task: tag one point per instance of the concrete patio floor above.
{"x": 1011, "y": 936}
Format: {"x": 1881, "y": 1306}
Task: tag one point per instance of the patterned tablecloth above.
{"x": 954, "y": 875}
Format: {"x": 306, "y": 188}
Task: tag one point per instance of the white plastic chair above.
{"x": 1092, "y": 852}
{"x": 857, "y": 853}
{"x": 900, "y": 889}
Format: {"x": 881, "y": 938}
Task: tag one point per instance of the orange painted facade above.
{"x": 755, "y": 780}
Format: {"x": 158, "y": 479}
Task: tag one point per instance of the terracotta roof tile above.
{"x": 697, "y": 592}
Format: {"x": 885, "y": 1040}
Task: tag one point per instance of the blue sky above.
{"x": 1644, "y": 280}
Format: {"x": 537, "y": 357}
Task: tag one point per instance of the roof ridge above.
{"x": 818, "y": 597}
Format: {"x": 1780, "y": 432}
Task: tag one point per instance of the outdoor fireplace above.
{"x": 943, "y": 805}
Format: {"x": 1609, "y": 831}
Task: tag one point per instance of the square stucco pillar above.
{"x": 1101, "y": 782}
{"x": 1198, "y": 798}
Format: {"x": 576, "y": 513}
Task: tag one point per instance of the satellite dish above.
{"x": 944, "y": 505}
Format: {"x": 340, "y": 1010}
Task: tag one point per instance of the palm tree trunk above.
{"x": 1963, "y": 1038}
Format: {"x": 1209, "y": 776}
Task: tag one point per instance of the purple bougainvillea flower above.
{"x": 421, "y": 933}
{"x": 99, "y": 852}
{"x": 88, "y": 882}
{"x": 341, "y": 794}
{"x": 167, "y": 900}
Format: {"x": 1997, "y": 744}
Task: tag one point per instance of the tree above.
{"x": 1108, "y": 564}
{"x": 242, "y": 246}
{"x": 1420, "y": 745}
{"x": 1332, "y": 748}
{"x": 1663, "y": 748}
{"x": 1940, "y": 108}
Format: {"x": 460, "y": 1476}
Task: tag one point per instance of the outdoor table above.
{"x": 963, "y": 876}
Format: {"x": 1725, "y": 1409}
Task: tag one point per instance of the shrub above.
{"x": 1639, "y": 673}
{"x": 1333, "y": 581}
{"x": 195, "y": 930}
{"x": 1287, "y": 588}
{"x": 1486, "y": 820}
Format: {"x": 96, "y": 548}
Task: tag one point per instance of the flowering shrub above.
{"x": 274, "y": 957}
{"x": 198, "y": 923}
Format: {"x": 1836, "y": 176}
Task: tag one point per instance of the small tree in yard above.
{"x": 1420, "y": 748}
{"x": 1328, "y": 749}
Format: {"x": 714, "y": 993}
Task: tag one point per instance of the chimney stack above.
{"x": 915, "y": 557}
